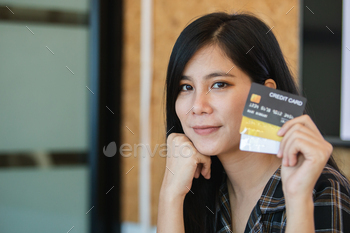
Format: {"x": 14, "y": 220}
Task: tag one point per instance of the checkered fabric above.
{"x": 331, "y": 206}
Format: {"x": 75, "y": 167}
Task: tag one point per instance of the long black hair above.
{"x": 235, "y": 34}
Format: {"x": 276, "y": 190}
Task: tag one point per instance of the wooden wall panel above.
{"x": 130, "y": 109}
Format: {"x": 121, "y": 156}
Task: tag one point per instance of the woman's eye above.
{"x": 186, "y": 87}
{"x": 219, "y": 85}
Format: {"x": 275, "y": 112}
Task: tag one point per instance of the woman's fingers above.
{"x": 202, "y": 162}
{"x": 304, "y": 154}
{"x": 184, "y": 163}
{"x": 206, "y": 166}
{"x": 198, "y": 171}
{"x": 295, "y": 146}
{"x": 297, "y": 132}
{"x": 302, "y": 137}
{"x": 299, "y": 128}
{"x": 304, "y": 120}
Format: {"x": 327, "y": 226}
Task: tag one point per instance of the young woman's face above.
{"x": 210, "y": 102}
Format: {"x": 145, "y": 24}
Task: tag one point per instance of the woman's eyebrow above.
{"x": 218, "y": 74}
{"x": 209, "y": 76}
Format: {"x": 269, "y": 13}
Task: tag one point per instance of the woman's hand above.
{"x": 182, "y": 164}
{"x": 304, "y": 154}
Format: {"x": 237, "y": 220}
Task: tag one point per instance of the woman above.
{"x": 210, "y": 185}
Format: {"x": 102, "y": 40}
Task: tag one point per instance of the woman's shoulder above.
{"x": 331, "y": 180}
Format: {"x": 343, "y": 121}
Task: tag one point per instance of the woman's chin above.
{"x": 207, "y": 146}
{"x": 206, "y": 149}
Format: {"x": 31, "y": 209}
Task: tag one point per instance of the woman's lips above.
{"x": 206, "y": 130}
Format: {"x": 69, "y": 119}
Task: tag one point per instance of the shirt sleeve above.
{"x": 332, "y": 202}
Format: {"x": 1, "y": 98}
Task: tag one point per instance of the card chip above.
{"x": 255, "y": 98}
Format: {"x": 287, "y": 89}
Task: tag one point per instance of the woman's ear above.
{"x": 270, "y": 83}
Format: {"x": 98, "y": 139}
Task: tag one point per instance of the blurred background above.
{"x": 82, "y": 102}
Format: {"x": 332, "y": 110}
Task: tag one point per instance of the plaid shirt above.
{"x": 331, "y": 206}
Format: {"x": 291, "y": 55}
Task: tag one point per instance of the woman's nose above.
{"x": 202, "y": 103}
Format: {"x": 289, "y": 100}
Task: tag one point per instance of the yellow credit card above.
{"x": 258, "y": 128}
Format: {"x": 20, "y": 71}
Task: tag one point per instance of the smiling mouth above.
{"x": 205, "y": 130}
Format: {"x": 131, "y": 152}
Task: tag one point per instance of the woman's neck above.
{"x": 248, "y": 172}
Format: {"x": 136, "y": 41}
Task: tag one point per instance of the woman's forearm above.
{"x": 178, "y": 177}
{"x": 300, "y": 215}
{"x": 170, "y": 214}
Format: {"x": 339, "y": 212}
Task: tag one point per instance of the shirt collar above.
{"x": 271, "y": 200}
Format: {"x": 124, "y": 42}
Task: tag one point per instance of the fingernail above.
{"x": 280, "y": 132}
{"x": 284, "y": 162}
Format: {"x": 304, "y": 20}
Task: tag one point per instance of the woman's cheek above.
{"x": 180, "y": 112}
{"x": 178, "y": 109}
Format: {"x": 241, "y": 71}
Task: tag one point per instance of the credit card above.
{"x": 265, "y": 111}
